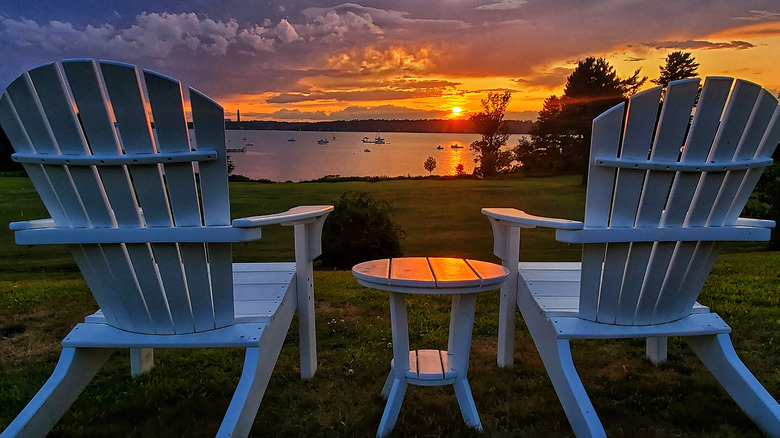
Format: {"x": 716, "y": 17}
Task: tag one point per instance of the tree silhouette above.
{"x": 563, "y": 130}
{"x": 679, "y": 65}
{"x": 495, "y": 132}
{"x": 429, "y": 165}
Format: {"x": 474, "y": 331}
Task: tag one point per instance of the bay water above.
{"x": 273, "y": 155}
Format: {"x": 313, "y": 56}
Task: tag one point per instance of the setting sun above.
{"x": 456, "y": 111}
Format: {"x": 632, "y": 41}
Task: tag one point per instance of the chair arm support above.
{"x": 32, "y": 225}
{"x": 308, "y": 245}
{"x": 504, "y": 220}
{"x": 519, "y": 218}
{"x": 293, "y": 216}
{"x": 760, "y": 223}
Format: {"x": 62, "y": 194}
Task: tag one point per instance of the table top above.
{"x": 430, "y": 275}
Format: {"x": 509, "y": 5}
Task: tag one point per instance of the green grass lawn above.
{"x": 186, "y": 394}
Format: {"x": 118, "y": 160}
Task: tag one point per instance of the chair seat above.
{"x": 261, "y": 292}
{"x": 555, "y": 287}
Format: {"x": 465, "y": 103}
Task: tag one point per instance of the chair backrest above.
{"x": 675, "y": 163}
{"x": 82, "y": 129}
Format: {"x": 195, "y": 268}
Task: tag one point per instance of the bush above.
{"x": 359, "y": 229}
{"x": 764, "y": 203}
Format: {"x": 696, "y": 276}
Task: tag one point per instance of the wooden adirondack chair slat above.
{"x": 172, "y": 277}
{"x": 52, "y": 93}
{"x": 606, "y": 133}
{"x": 637, "y": 139}
{"x": 167, "y": 106}
{"x": 18, "y": 137}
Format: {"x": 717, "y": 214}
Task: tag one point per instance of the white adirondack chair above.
{"x": 146, "y": 215}
{"x": 665, "y": 190}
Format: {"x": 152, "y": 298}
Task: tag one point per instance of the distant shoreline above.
{"x": 418, "y": 126}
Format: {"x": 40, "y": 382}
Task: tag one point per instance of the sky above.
{"x": 404, "y": 59}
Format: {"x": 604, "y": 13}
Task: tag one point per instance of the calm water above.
{"x": 270, "y": 155}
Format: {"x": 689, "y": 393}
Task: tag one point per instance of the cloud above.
{"x": 351, "y": 113}
{"x": 286, "y": 32}
{"x": 286, "y": 114}
{"x": 757, "y": 15}
{"x": 398, "y": 22}
{"x": 374, "y": 60}
{"x": 699, "y": 45}
{"x": 549, "y": 78}
{"x": 384, "y": 112}
{"x": 354, "y": 96}
{"x": 333, "y": 26}
{"x": 152, "y": 35}
{"x": 502, "y": 5}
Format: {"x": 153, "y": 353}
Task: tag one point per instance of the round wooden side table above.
{"x": 462, "y": 279}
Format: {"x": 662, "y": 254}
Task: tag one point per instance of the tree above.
{"x": 495, "y": 132}
{"x": 429, "y": 165}
{"x": 563, "y": 130}
{"x": 679, "y": 65}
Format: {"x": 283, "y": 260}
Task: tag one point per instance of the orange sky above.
{"x": 314, "y": 60}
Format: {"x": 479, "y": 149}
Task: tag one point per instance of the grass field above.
{"x": 42, "y": 297}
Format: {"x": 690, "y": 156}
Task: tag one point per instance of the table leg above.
{"x": 459, "y": 343}
{"x": 395, "y": 386}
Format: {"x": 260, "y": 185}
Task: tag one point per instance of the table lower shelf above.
{"x": 429, "y": 368}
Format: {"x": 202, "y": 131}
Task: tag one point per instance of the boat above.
{"x": 439, "y": 147}
{"x": 242, "y": 149}
{"x": 456, "y": 146}
{"x": 291, "y": 139}
{"x": 323, "y": 141}
{"x": 366, "y": 150}
{"x": 376, "y": 140}
{"x": 249, "y": 144}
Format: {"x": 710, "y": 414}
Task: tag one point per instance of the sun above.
{"x": 456, "y": 111}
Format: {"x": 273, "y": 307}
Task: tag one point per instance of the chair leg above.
{"x": 718, "y": 355}
{"x": 556, "y": 356}
{"x": 141, "y": 360}
{"x": 73, "y": 372}
{"x": 656, "y": 350}
{"x": 259, "y": 363}
{"x": 249, "y": 393}
{"x": 557, "y": 359}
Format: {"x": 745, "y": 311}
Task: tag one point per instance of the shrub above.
{"x": 359, "y": 229}
{"x": 764, "y": 203}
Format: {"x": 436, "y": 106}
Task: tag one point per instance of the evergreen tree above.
{"x": 495, "y": 132}
{"x": 563, "y": 130}
{"x": 679, "y": 65}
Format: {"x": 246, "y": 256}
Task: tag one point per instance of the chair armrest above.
{"x": 32, "y": 225}
{"x": 519, "y": 218}
{"x": 759, "y": 223}
{"x": 293, "y": 216}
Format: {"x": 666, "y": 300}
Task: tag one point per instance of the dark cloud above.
{"x": 700, "y": 45}
{"x": 757, "y": 15}
{"x": 353, "y": 96}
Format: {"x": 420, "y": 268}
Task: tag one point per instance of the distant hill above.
{"x": 372, "y": 125}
